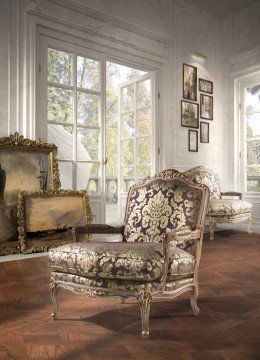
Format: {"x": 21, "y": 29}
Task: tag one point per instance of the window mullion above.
{"x": 135, "y": 127}
{"x": 102, "y": 124}
{"x": 75, "y": 107}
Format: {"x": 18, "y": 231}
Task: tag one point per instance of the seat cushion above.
{"x": 228, "y": 207}
{"x": 125, "y": 261}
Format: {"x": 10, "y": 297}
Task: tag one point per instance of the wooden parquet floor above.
{"x": 228, "y": 326}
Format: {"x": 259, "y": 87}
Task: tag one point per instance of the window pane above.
{"x": 143, "y": 171}
{"x": 59, "y": 67}
{"x": 88, "y": 144}
{"x": 88, "y": 177}
{"x": 253, "y": 185}
{"x": 127, "y": 178}
{"x": 88, "y": 109}
{"x": 59, "y": 104}
{"x": 83, "y": 175}
{"x": 62, "y": 137}
{"x": 253, "y": 125}
{"x": 144, "y": 151}
{"x": 128, "y": 98}
{"x": 252, "y": 98}
{"x": 144, "y": 93}
{"x": 128, "y": 152}
{"x": 144, "y": 122}
{"x": 253, "y": 178}
{"x": 66, "y": 170}
{"x": 87, "y": 73}
{"x": 128, "y": 126}
{"x": 111, "y": 150}
{"x": 253, "y": 152}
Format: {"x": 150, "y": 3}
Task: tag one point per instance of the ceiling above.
{"x": 222, "y": 8}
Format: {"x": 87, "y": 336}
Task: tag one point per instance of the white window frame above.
{"x": 122, "y": 196}
{"x": 240, "y": 130}
{"x": 98, "y": 200}
{"x": 75, "y": 90}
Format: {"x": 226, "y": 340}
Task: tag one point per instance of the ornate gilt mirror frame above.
{"x": 25, "y": 165}
{"x": 46, "y": 217}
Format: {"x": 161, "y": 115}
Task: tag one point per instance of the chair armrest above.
{"x": 184, "y": 235}
{"x": 232, "y": 193}
{"x": 96, "y": 229}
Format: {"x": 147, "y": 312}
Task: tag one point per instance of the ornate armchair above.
{"x": 158, "y": 257}
{"x": 221, "y": 210}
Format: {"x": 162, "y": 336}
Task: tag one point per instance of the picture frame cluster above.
{"x": 191, "y": 111}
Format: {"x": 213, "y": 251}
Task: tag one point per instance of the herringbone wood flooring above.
{"x": 228, "y": 326}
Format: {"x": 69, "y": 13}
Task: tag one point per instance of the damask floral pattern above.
{"x": 163, "y": 205}
{"x": 218, "y": 206}
{"x": 109, "y": 260}
{"x": 224, "y": 207}
{"x": 125, "y": 261}
{"x": 203, "y": 176}
{"x": 118, "y": 285}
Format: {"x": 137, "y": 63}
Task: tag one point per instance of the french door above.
{"x": 71, "y": 107}
{"x": 135, "y": 134}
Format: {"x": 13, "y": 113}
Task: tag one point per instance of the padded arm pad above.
{"x": 184, "y": 235}
{"x": 232, "y": 193}
{"x": 96, "y": 229}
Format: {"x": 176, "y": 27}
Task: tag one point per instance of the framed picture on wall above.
{"x": 193, "y": 140}
{"x": 206, "y": 86}
{"x": 204, "y": 132}
{"x": 206, "y": 107}
{"x": 189, "y": 114}
{"x": 189, "y": 82}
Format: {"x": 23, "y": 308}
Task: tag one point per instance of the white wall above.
{"x": 4, "y": 68}
{"x": 166, "y": 31}
{"x": 241, "y": 43}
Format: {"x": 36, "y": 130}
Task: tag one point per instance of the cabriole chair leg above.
{"x": 145, "y": 299}
{"x": 211, "y": 229}
{"x": 193, "y": 300}
{"x": 54, "y": 291}
{"x": 249, "y": 225}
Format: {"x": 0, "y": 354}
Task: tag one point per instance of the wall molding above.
{"x": 100, "y": 16}
{"x": 244, "y": 55}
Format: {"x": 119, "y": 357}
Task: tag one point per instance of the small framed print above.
{"x": 206, "y": 86}
{"x": 206, "y": 107}
{"x": 193, "y": 140}
{"x": 189, "y": 114}
{"x": 204, "y": 132}
{"x": 189, "y": 82}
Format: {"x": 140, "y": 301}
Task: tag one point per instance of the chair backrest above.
{"x": 206, "y": 177}
{"x": 166, "y": 202}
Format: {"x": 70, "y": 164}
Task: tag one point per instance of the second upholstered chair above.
{"x": 221, "y": 209}
{"x": 158, "y": 257}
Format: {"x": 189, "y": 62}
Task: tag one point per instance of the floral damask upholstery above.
{"x": 118, "y": 285}
{"x": 158, "y": 207}
{"x": 227, "y": 207}
{"x": 202, "y": 176}
{"x": 159, "y": 255}
{"x": 138, "y": 262}
{"x": 221, "y": 210}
